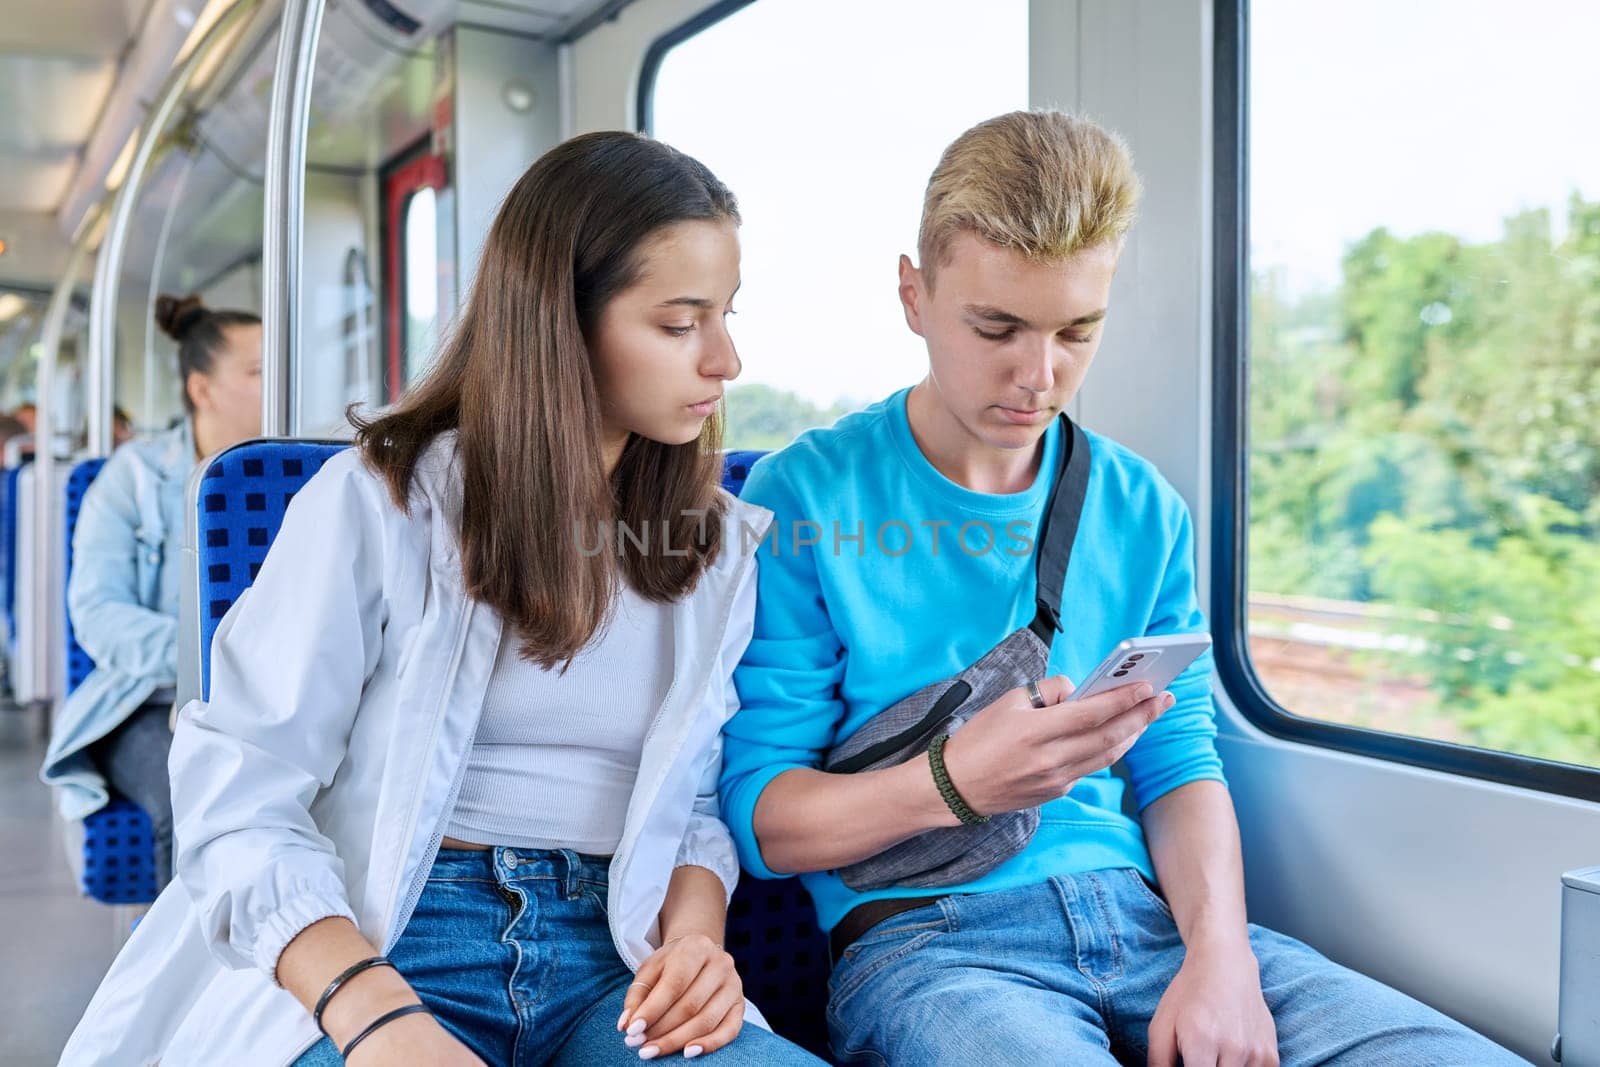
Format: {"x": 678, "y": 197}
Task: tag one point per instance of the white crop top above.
{"x": 555, "y": 757}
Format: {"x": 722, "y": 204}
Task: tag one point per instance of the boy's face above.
{"x": 1009, "y": 339}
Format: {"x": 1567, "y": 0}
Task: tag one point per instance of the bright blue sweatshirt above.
{"x": 846, "y": 627}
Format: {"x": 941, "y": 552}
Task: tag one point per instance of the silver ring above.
{"x": 1035, "y": 697}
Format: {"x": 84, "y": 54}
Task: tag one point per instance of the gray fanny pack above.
{"x": 958, "y": 854}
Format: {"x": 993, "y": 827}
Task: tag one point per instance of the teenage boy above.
{"x": 1107, "y": 937}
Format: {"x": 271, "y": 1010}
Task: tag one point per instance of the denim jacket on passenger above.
{"x": 123, "y": 599}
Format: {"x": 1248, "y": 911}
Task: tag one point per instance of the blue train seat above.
{"x": 118, "y": 842}
{"x": 772, "y": 929}
{"x": 243, "y": 496}
{"x": 8, "y": 554}
{"x": 736, "y": 468}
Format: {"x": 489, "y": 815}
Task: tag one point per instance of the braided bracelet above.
{"x": 348, "y": 973}
{"x": 947, "y": 789}
{"x": 388, "y": 1017}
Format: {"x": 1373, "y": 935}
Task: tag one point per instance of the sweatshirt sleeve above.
{"x": 1180, "y": 746}
{"x": 788, "y": 680}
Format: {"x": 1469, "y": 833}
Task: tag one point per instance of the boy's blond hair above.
{"x": 1044, "y": 183}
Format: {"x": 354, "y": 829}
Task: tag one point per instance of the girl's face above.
{"x": 661, "y": 351}
{"x": 228, "y": 396}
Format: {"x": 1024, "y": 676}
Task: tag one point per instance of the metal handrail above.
{"x": 44, "y": 515}
{"x": 284, "y": 213}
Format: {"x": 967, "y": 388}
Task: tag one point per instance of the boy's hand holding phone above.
{"x": 1012, "y": 755}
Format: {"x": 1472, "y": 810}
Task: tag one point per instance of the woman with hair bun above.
{"x": 112, "y": 735}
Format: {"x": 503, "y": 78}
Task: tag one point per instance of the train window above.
{"x": 421, "y": 242}
{"x": 827, "y": 136}
{"x": 415, "y": 275}
{"x": 1422, "y": 521}
{"x": 195, "y": 227}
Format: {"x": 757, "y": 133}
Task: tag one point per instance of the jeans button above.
{"x": 511, "y": 859}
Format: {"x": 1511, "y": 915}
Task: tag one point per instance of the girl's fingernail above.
{"x": 633, "y": 1040}
{"x": 649, "y": 1052}
{"x": 692, "y": 1051}
{"x": 621, "y": 1017}
{"x": 638, "y": 1026}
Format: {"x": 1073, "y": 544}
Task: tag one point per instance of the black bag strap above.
{"x": 1061, "y": 515}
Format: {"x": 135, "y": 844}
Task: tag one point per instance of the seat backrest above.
{"x": 83, "y": 474}
{"x": 8, "y": 549}
{"x": 736, "y": 468}
{"x": 241, "y": 499}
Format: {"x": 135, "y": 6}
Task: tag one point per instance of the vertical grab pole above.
{"x": 44, "y": 494}
{"x": 285, "y": 213}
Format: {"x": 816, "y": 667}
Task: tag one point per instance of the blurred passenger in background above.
{"x": 112, "y": 733}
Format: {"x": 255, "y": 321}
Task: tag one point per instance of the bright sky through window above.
{"x": 825, "y": 118}
{"x": 1422, "y": 115}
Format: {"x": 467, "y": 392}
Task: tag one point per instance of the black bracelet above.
{"x": 388, "y": 1017}
{"x": 349, "y": 973}
{"x": 947, "y": 788}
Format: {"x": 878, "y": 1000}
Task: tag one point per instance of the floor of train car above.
{"x": 55, "y": 944}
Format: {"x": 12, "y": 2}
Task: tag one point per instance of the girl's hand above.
{"x": 687, "y": 996}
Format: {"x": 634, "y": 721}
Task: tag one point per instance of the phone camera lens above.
{"x": 1119, "y": 674}
{"x": 1136, "y": 657}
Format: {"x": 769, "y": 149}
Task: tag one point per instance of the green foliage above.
{"x": 1425, "y": 437}
{"x": 762, "y": 417}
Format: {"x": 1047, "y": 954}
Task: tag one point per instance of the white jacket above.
{"x": 346, "y": 685}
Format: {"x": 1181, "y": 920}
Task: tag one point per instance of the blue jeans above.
{"x": 1071, "y": 971}
{"x": 511, "y": 951}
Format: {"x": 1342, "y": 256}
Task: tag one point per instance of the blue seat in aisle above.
{"x": 118, "y": 843}
{"x": 772, "y": 929}
{"x": 8, "y": 555}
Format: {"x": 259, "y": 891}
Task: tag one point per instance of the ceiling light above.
{"x": 518, "y": 96}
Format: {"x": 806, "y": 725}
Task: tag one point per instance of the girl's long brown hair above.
{"x": 515, "y": 381}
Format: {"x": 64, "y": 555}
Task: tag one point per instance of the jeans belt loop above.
{"x": 574, "y": 866}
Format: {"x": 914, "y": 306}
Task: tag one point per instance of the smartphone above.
{"x": 1156, "y": 660}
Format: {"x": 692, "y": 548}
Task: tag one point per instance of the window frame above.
{"x": 413, "y": 169}
{"x": 1230, "y": 472}
{"x": 645, "y": 102}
